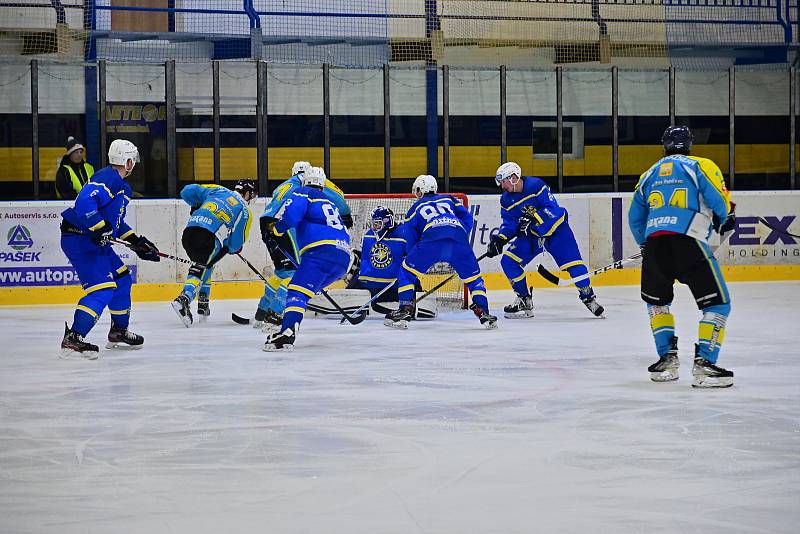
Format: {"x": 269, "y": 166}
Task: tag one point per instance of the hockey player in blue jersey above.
{"x": 323, "y": 249}
{"x": 675, "y": 206}
{"x": 86, "y": 230}
{"x": 219, "y": 224}
{"x": 270, "y": 307}
{"x": 436, "y": 229}
{"x": 530, "y": 212}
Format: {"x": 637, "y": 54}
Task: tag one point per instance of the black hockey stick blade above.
{"x": 350, "y": 319}
{"x": 547, "y": 275}
{"x": 239, "y": 319}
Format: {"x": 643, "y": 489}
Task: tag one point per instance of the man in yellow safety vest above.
{"x": 73, "y": 172}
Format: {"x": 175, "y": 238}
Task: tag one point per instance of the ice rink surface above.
{"x": 543, "y": 425}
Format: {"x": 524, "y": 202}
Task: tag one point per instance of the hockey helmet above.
{"x": 314, "y": 176}
{"x": 246, "y": 186}
{"x": 677, "y": 140}
{"x": 382, "y": 220}
{"x": 506, "y": 171}
{"x": 424, "y": 184}
{"x": 122, "y": 152}
{"x": 300, "y": 167}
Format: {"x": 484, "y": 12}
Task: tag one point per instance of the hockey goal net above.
{"x": 451, "y": 295}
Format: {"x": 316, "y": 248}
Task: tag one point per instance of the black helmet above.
{"x": 677, "y": 140}
{"x": 246, "y": 185}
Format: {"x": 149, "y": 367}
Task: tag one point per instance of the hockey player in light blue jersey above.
{"x": 675, "y": 206}
{"x": 323, "y": 250}
{"x": 530, "y": 212}
{"x": 219, "y": 224}
{"x": 86, "y": 230}
{"x": 436, "y": 229}
{"x": 270, "y": 307}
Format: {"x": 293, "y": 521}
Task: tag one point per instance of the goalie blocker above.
{"x": 352, "y": 299}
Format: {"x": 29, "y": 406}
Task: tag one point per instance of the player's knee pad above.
{"x": 124, "y": 282}
{"x": 98, "y": 300}
{"x": 711, "y": 330}
{"x": 510, "y": 266}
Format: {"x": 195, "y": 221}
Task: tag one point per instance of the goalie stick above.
{"x": 555, "y": 280}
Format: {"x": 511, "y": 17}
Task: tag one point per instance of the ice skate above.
{"x": 488, "y": 321}
{"x": 708, "y": 375}
{"x": 400, "y": 317}
{"x": 666, "y": 368}
{"x": 522, "y": 308}
{"x": 181, "y": 307}
{"x": 73, "y": 345}
{"x": 122, "y": 338}
{"x": 283, "y": 341}
{"x": 258, "y": 318}
{"x": 590, "y": 301}
{"x": 272, "y": 322}
{"x": 203, "y": 309}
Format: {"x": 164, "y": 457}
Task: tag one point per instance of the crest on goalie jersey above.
{"x": 381, "y": 256}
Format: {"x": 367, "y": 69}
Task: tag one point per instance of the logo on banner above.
{"x": 19, "y": 238}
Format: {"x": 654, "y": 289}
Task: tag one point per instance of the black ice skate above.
{"x": 272, "y": 322}
{"x": 708, "y": 375}
{"x": 400, "y": 317}
{"x": 283, "y": 341}
{"x": 74, "y": 345}
{"x": 258, "y": 318}
{"x": 522, "y": 308}
{"x": 589, "y": 300}
{"x": 203, "y": 309}
{"x": 488, "y": 321}
{"x": 181, "y": 307}
{"x": 122, "y": 338}
{"x": 666, "y": 368}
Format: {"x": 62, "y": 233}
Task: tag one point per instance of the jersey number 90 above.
{"x": 429, "y": 211}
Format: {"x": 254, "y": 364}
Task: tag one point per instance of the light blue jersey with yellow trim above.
{"x": 537, "y": 199}
{"x": 221, "y": 211}
{"x": 679, "y": 194}
{"x": 436, "y": 217}
{"x": 282, "y": 192}
{"x": 382, "y": 258}
{"x": 315, "y": 219}
{"x": 105, "y": 197}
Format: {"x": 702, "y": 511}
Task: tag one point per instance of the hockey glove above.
{"x": 730, "y": 223}
{"x": 102, "y": 235}
{"x": 267, "y": 225}
{"x": 143, "y": 247}
{"x": 355, "y": 267}
{"x": 496, "y": 246}
{"x": 347, "y": 220}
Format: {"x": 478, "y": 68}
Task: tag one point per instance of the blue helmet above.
{"x": 382, "y": 220}
{"x": 677, "y": 140}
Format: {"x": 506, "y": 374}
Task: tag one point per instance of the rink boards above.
{"x": 33, "y": 269}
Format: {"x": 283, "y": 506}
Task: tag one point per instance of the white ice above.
{"x": 545, "y": 425}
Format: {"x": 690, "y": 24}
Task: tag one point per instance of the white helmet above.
{"x": 299, "y": 167}
{"x": 314, "y": 176}
{"x": 120, "y": 152}
{"x": 506, "y": 171}
{"x": 425, "y": 183}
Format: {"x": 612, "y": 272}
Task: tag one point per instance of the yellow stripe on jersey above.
{"x": 97, "y": 226}
{"x": 520, "y": 201}
{"x": 412, "y": 270}
{"x": 512, "y": 256}
{"x": 297, "y": 309}
{"x": 555, "y": 225}
{"x": 319, "y": 243}
{"x": 471, "y": 279}
{"x": 126, "y": 234}
{"x": 406, "y": 288}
